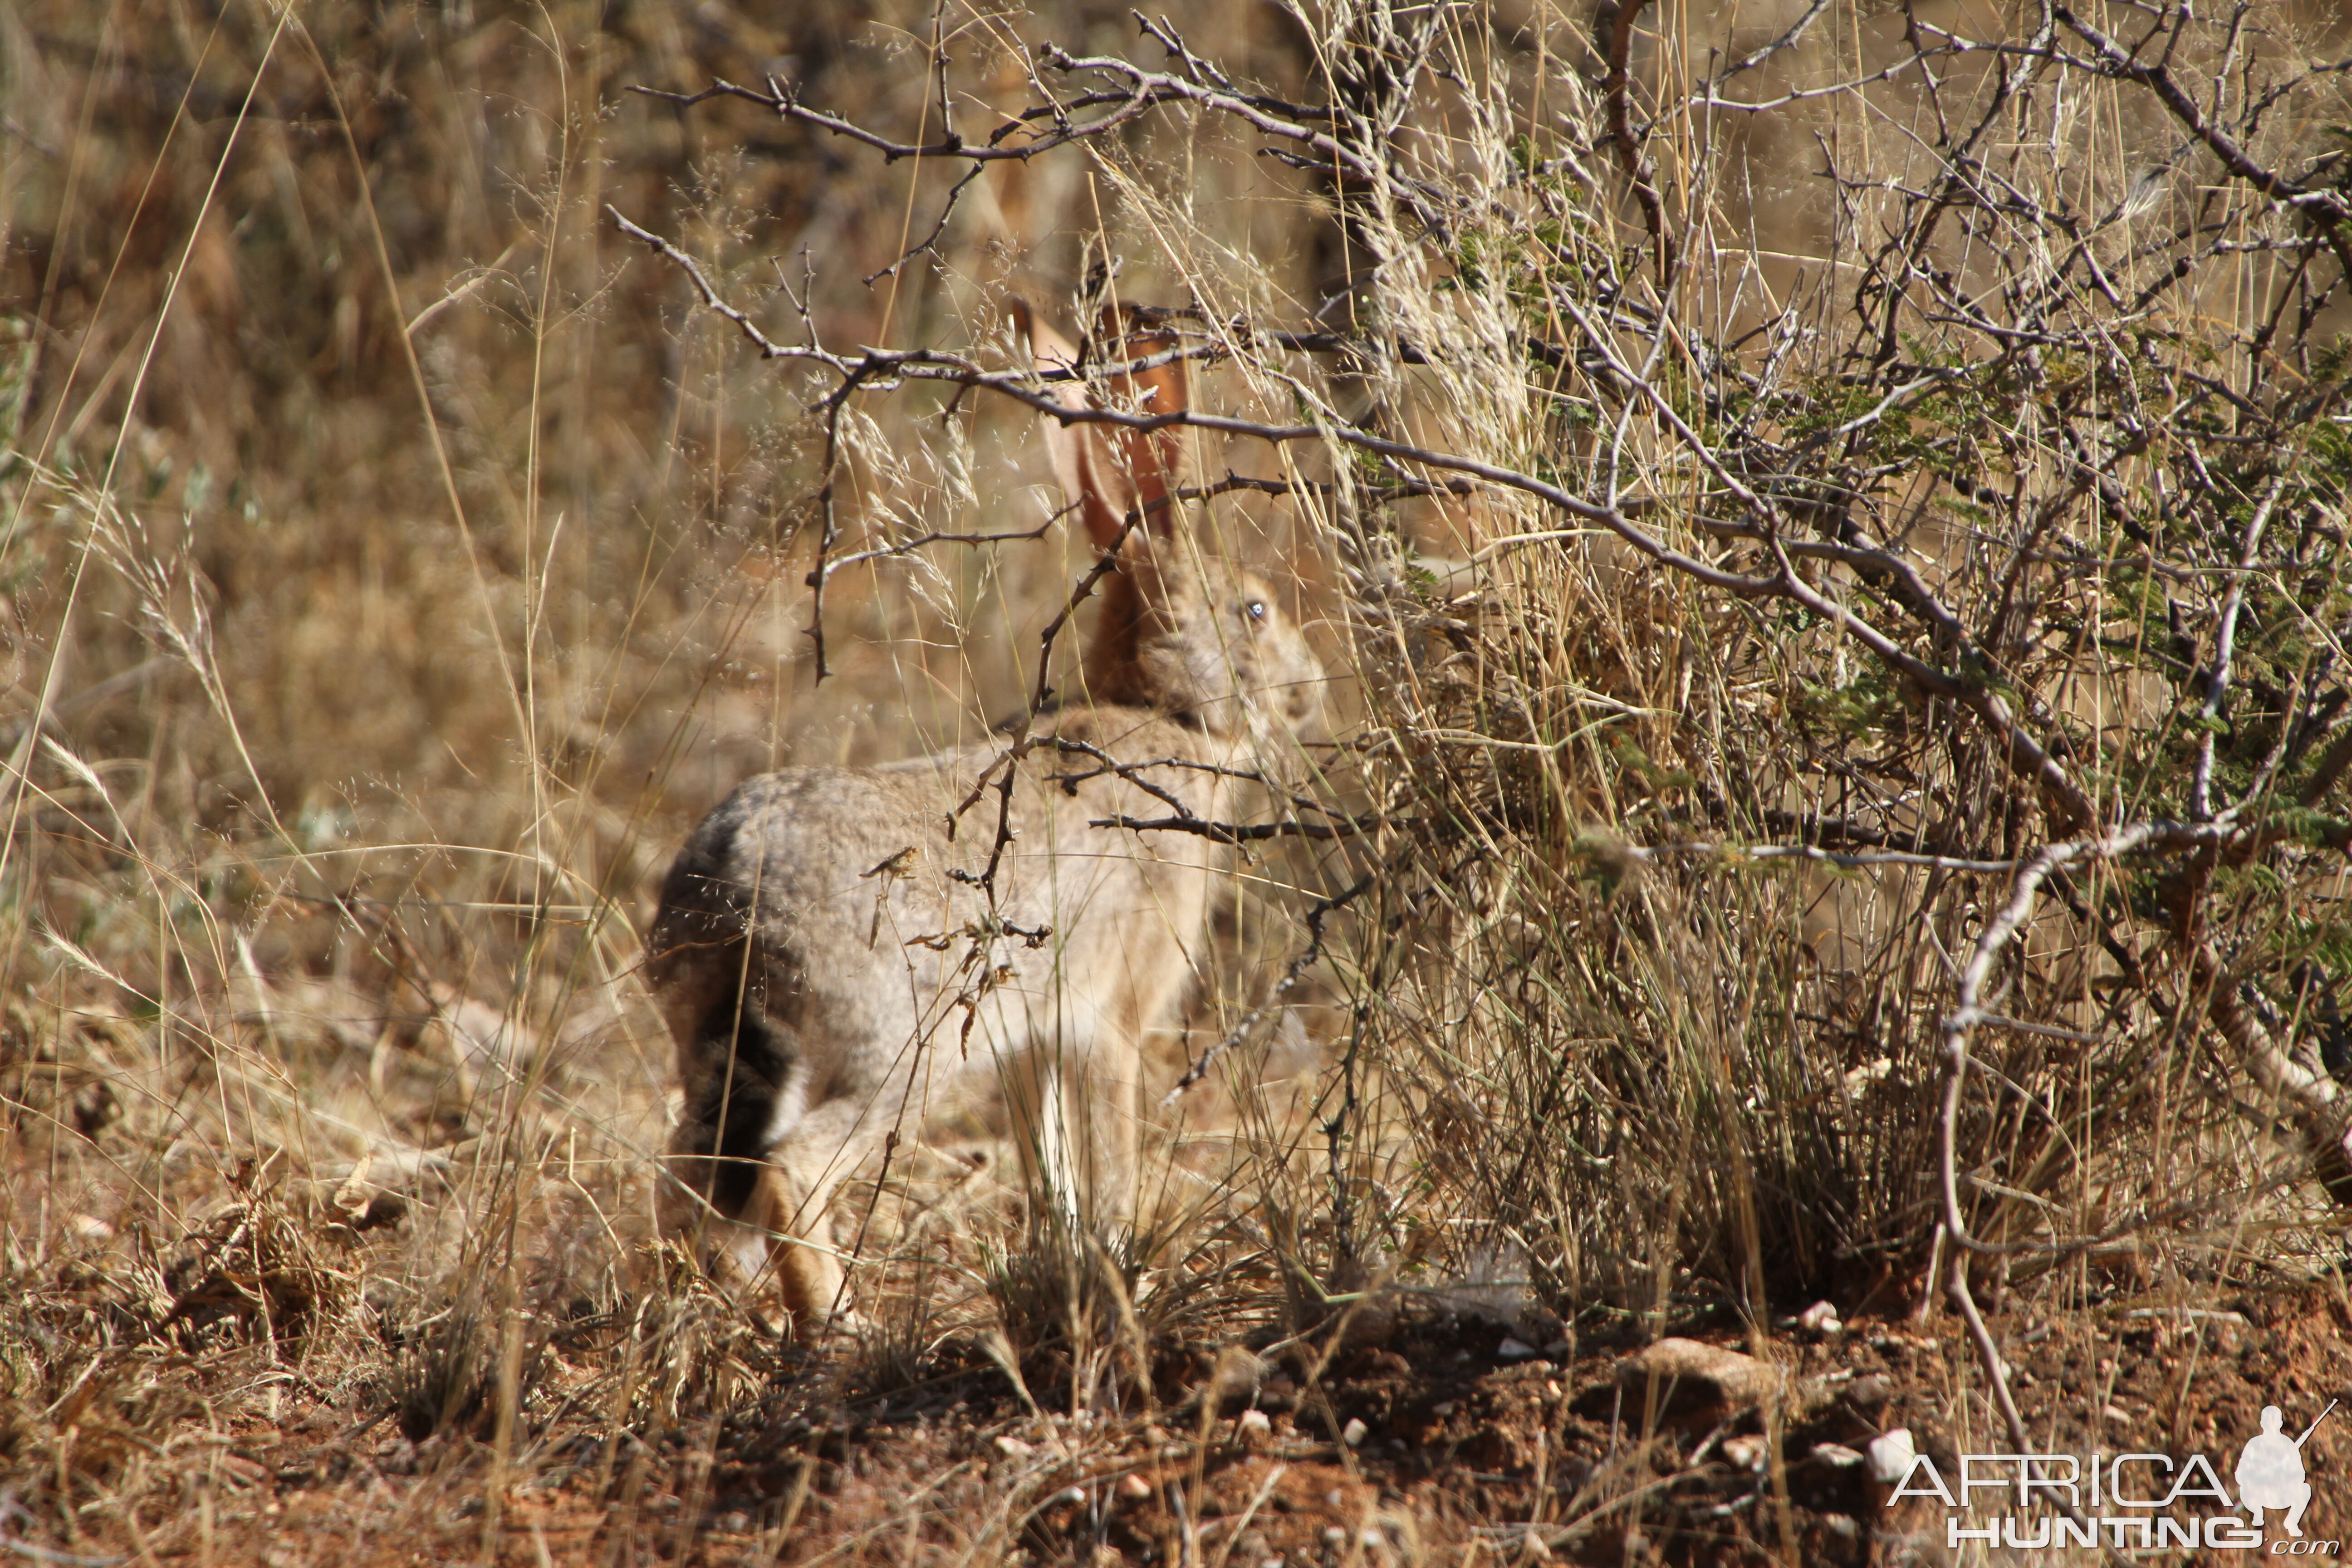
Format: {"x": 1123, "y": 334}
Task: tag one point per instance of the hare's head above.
{"x": 1184, "y": 629}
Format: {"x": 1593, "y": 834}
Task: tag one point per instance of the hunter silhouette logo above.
{"x": 2270, "y": 1470}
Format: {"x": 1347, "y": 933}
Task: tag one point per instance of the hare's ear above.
{"x": 1153, "y": 461}
{"x": 1079, "y": 462}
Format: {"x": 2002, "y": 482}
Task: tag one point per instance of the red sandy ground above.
{"x": 1461, "y": 1449}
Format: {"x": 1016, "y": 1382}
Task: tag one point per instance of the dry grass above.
{"x": 394, "y": 560}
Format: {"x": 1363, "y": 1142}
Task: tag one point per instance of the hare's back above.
{"x": 847, "y": 868}
{"x": 813, "y": 839}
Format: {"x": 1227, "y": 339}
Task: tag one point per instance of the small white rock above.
{"x": 1353, "y": 1432}
{"x": 1820, "y": 1318}
{"x": 1014, "y": 1448}
{"x": 1743, "y": 1454}
{"x": 1135, "y": 1488}
{"x": 1335, "y": 1536}
{"x": 1444, "y": 1410}
{"x": 1891, "y": 1454}
{"x": 1254, "y": 1423}
{"x": 1515, "y": 1350}
{"x": 1837, "y": 1454}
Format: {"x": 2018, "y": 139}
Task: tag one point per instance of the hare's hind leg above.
{"x": 712, "y": 1208}
{"x": 735, "y": 1072}
{"x": 742, "y": 1188}
{"x": 763, "y": 1221}
{"x": 795, "y": 1204}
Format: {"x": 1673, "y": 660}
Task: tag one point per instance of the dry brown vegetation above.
{"x": 1832, "y": 524}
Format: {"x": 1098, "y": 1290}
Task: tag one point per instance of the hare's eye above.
{"x": 1257, "y": 608}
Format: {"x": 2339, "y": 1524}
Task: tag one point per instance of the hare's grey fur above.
{"x": 832, "y": 967}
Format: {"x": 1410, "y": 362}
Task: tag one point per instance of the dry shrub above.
{"x": 1834, "y": 529}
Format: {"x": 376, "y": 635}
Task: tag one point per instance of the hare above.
{"x": 827, "y": 954}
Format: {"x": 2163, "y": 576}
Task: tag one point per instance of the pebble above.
{"x": 1014, "y": 1448}
{"x": 1353, "y": 1432}
{"x": 1696, "y": 1369}
{"x": 1135, "y": 1488}
{"x": 1820, "y": 1318}
{"x": 1514, "y": 1349}
{"x": 1891, "y": 1454}
{"x": 1254, "y": 1423}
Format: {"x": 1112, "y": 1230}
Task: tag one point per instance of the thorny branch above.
{"x": 880, "y": 370}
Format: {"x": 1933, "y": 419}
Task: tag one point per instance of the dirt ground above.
{"x": 1430, "y": 1437}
